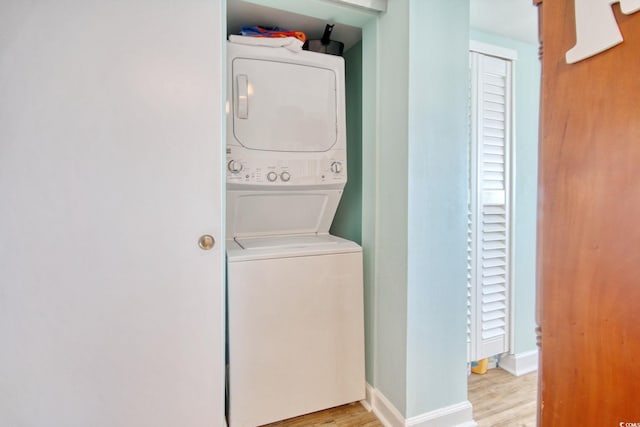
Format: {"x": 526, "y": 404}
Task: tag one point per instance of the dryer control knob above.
{"x": 272, "y": 176}
{"x": 285, "y": 176}
{"x": 336, "y": 167}
{"x": 234, "y": 166}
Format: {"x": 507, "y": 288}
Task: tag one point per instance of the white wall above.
{"x": 110, "y": 130}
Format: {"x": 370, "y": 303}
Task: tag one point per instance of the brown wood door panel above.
{"x": 589, "y": 227}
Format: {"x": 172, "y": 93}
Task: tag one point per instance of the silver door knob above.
{"x": 206, "y": 242}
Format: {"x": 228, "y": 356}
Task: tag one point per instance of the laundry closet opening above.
{"x": 261, "y": 210}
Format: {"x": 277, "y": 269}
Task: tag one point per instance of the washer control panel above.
{"x": 285, "y": 172}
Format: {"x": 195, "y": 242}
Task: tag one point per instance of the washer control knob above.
{"x": 234, "y": 166}
{"x": 272, "y": 176}
{"x": 285, "y": 176}
{"x": 336, "y": 167}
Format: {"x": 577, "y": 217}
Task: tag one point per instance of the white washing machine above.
{"x": 295, "y": 294}
{"x": 295, "y": 327}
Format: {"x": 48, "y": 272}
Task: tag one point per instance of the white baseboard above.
{"x": 521, "y": 363}
{"x": 458, "y": 415}
{"x": 367, "y": 398}
{"x": 386, "y": 412}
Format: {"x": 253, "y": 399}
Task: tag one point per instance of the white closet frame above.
{"x": 490, "y": 318}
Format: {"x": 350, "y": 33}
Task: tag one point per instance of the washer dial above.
{"x": 234, "y": 166}
{"x": 272, "y": 176}
{"x": 336, "y": 167}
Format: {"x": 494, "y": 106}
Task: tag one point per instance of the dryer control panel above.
{"x": 283, "y": 172}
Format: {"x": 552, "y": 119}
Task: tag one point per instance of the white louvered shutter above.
{"x": 490, "y": 230}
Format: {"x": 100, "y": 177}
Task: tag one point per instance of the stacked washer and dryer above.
{"x": 295, "y": 294}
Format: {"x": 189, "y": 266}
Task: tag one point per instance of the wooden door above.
{"x": 110, "y": 150}
{"x": 589, "y": 226}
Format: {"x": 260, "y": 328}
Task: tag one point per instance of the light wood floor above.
{"x": 499, "y": 400}
{"x": 351, "y": 415}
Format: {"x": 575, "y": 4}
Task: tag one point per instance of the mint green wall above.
{"x": 348, "y": 220}
{"x": 392, "y": 244}
{"x": 437, "y": 209}
{"x": 422, "y": 196}
{"x": 527, "y": 92}
{"x": 370, "y": 188}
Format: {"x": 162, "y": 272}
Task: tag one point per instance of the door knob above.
{"x": 206, "y": 242}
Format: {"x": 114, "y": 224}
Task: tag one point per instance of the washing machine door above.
{"x": 282, "y": 106}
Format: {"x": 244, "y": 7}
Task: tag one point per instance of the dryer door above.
{"x": 279, "y": 106}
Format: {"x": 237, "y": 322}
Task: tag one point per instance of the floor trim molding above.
{"x": 457, "y": 415}
{"x": 521, "y": 363}
{"x": 386, "y": 412}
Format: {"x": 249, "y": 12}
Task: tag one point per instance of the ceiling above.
{"x": 516, "y": 19}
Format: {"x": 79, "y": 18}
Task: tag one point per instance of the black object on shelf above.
{"x": 325, "y": 44}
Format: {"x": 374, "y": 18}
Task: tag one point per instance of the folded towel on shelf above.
{"x": 260, "y": 31}
{"x": 291, "y": 43}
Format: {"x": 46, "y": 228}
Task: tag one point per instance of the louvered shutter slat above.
{"x": 490, "y": 105}
{"x": 494, "y": 227}
{"x": 493, "y": 333}
{"x": 492, "y": 286}
{"x": 494, "y": 297}
{"x": 495, "y": 149}
{"x": 496, "y": 308}
{"x": 495, "y": 115}
{"x": 493, "y": 245}
{"x": 493, "y": 263}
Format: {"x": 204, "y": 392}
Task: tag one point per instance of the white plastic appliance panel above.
{"x": 271, "y": 168}
{"x": 287, "y": 246}
{"x": 296, "y": 336}
{"x": 280, "y": 106}
{"x": 262, "y": 213}
{"x": 258, "y": 162}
